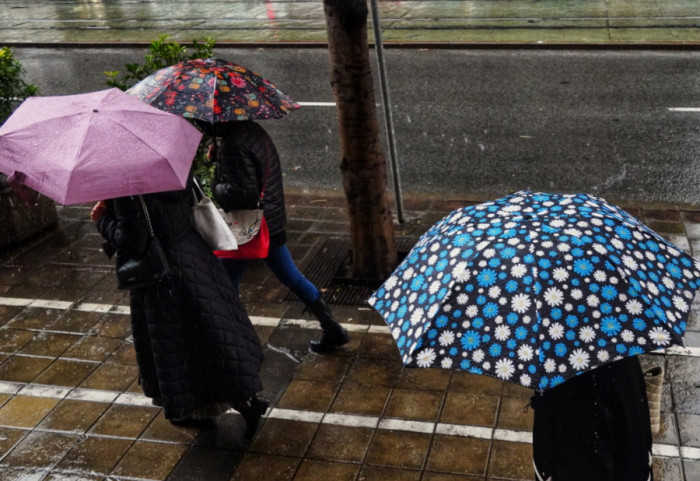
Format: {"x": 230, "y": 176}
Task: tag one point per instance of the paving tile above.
{"x": 25, "y": 411}
{"x": 267, "y": 467}
{"x": 513, "y": 390}
{"x": 22, "y": 368}
{"x": 111, "y": 377}
{"x": 162, "y": 430}
{"x": 683, "y": 368}
{"x": 125, "y": 421}
{"x": 316, "y": 470}
{"x": 511, "y": 461}
{"x": 93, "y": 348}
{"x": 51, "y": 293}
{"x": 105, "y": 292}
{"x": 12, "y": 340}
{"x": 381, "y": 473}
{"x": 207, "y": 464}
{"x": 308, "y": 396}
{"x": 692, "y": 469}
{"x": 357, "y": 399}
{"x": 72, "y": 477}
{"x": 66, "y": 373}
{"x": 398, "y": 448}
{"x": 293, "y": 339}
{"x": 478, "y": 410}
{"x": 511, "y": 415}
{"x": 428, "y": 476}
{"x": 35, "y": 318}
{"x": 264, "y": 333}
{"x": 22, "y": 474}
{"x": 73, "y": 416}
{"x": 323, "y": 368}
{"x": 469, "y": 383}
{"x": 49, "y": 344}
{"x": 373, "y": 372}
{"x": 667, "y": 469}
{"x": 149, "y": 460}
{"x": 686, "y": 397}
{"x": 414, "y": 404}
{"x": 40, "y": 450}
{"x": 9, "y": 438}
{"x": 284, "y": 438}
{"x": 428, "y": 379}
{"x": 80, "y": 322}
{"x": 7, "y": 313}
{"x": 95, "y": 455}
{"x": 666, "y": 227}
{"x": 379, "y": 346}
{"x": 460, "y": 455}
{"x": 689, "y": 427}
{"x": 340, "y": 443}
{"x": 124, "y": 354}
{"x": 113, "y": 325}
{"x": 668, "y": 433}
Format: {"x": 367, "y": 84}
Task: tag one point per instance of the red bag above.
{"x": 257, "y": 248}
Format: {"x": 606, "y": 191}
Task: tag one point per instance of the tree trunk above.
{"x": 362, "y": 161}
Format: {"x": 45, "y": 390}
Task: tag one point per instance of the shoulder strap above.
{"x": 148, "y": 217}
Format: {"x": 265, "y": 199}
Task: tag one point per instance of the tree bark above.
{"x": 362, "y": 160}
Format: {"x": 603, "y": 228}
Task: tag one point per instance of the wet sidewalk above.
{"x": 71, "y": 409}
{"x": 409, "y": 22}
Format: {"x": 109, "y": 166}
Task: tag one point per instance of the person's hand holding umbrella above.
{"x": 98, "y": 211}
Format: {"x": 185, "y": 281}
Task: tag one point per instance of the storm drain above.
{"x": 328, "y": 268}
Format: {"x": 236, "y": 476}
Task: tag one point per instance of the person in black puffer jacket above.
{"x": 247, "y": 164}
{"x": 594, "y": 427}
{"x": 197, "y": 351}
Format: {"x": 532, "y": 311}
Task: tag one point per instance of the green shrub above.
{"x": 13, "y": 90}
{"x": 163, "y": 53}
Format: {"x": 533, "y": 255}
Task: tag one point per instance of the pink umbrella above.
{"x": 94, "y": 146}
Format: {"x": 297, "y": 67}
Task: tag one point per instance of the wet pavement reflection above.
{"x": 71, "y": 408}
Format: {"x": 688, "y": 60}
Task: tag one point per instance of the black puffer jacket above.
{"x": 595, "y": 427}
{"x": 195, "y": 345}
{"x": 246, "y": 163}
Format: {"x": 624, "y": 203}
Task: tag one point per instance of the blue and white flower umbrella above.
{"x": 535, "y": 288}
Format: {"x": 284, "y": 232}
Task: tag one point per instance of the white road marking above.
{"x": 341, "y": 419}
{"x": 338, "y": 419}
{"x": 317, "y": 104}
{"x": 684, "y": 109}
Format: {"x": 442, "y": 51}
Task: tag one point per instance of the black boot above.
{"x": 252, "y": 410}
{"x": 334, "y": 335}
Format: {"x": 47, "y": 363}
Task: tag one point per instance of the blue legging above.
{"x": 280, "y": 262}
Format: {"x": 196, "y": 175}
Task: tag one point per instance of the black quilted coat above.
{"x": 595, "y": 427}
{"x": 247, "y": 162}
{"x": 196, "y": 348}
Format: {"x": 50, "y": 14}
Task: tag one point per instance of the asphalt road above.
{"x": 477, "y": 121}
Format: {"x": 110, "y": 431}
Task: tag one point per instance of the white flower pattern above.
{"x": 535, "y": 287}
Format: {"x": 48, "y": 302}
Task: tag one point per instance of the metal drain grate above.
{"x": 327, "y": 258}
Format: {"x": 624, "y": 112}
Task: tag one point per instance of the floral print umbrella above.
{"x": 535, "y": 288}
{"x": 213, "y": 90}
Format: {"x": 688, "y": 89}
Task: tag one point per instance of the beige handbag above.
{"x": 654, "y": 378}
{"x": 210, "y": 224}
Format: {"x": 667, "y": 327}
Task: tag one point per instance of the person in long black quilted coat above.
{"x": 197, "y": 351}
{"x": 247, "y": 164}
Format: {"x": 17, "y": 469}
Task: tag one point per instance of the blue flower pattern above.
{"x": 535, "y": 288}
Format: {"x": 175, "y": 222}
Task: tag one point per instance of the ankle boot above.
{"x": 252, "y": 410}
{"x": 654, "y": 378}
{"x": 334, "y": 335}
